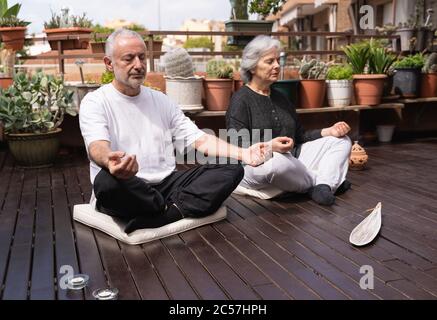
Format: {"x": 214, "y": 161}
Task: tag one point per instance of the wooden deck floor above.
{"x": 285, "y": 249}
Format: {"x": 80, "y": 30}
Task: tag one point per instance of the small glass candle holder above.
{"x": 106, "y": 294}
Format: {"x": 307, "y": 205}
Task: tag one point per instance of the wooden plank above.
{"x": 144, "y": 274}
{"x": 202, "y": 281}
{"x": 88, "y": 252}
{"x": 18, "y": 276}
{"x": 283, "y": 269}
{"x": 65, "y": 248}
{"x": 43, "y": 273}
{"x": 411, "y": 290}
{"x": 174, "y": 281}
{"x": 8, "y": 218}
{"x": 304, "y": 248}
{"x": 116, "y": 268}
{"x": 233, "y": 285}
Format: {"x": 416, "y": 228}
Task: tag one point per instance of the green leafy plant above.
{"x": 35, "y": 105}
{"x": 107, "y": 77}
{"x": 411, "y": 61}
{"x": 357, "y": 54}
{"x": 380, "y": 59}
{"x": 312, "y": 68}
{"x": 265, "y": 7}
{"x": 199, "y": 42}
{"x": 9, "y": 15}
{"x": 339, "y": 72}
{"x": 219, "y": 69}
{"x": 99, "y": 29}
{"x": 430, "y": 63}
{"x": 66, "y": 20}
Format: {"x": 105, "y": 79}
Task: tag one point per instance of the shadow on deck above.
{"x": 284, "y": 249}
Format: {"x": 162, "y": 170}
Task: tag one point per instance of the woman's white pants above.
{"x": 321, "y": 161}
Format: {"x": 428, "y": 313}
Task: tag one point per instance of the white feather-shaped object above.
{"x": 368, "y": 229}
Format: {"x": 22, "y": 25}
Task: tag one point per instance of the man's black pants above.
{"x": 196, "y": 192}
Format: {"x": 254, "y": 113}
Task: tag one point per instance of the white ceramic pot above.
{"x": 339, "y": 92}
{"x": 385, "y": 132}
{"x": 186, "y": 92}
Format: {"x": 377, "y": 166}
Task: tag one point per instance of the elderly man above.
{"x": 130, "y": 132}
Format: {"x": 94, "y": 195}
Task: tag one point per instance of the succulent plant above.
{"x": 430, "y": 63}
{"x": 312, "y": 68}
{"x": 219, "y": 69}
{"x": 178, "y": 63}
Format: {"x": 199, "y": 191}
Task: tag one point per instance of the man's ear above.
{"x": 108, "y": 63}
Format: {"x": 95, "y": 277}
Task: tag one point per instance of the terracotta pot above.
{"x": 156, "y": 79}
{"x": 13, "y": 37}
{"x": 98, "y": 47}
{"x": 312, "y": 93}
{"x": 34, "y": 149}
{"x": 428, "y": 87}
{"x": 71, "y": 41}
{"x": 6, "y": 82}
{"x": 218, "y": 93}
{"x": 358, "y": 157}
{"x": 368, "y": 88}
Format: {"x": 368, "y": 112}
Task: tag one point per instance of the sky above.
{"x": 145, "y": 12}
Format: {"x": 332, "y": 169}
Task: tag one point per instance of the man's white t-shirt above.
{"x": 148, "y": 125}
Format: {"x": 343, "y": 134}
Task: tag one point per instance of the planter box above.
{"x": 73, "y": 42}
{"x": 36, "y": 150}
{"x": 97, "y": 47}
{"x": 13, "y": 37}
{"x": 289, "y": 88}
{"x": 218, "y": 93}
{"x": 186, "y": 92}
{"x": 246, "y": 25}
{"x": 406, "y": 82}
{"x": 339, "y": 92}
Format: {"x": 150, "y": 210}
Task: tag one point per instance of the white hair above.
{"x": 253, "y": 51}
{"x": 124, "y": 33}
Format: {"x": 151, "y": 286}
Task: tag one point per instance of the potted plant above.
{"x": 99, "y": 36}
{"x": 407, "y": 78}
{"x": 181, "y": 85}
{"x": 381, "y": 62}
{"x": 368, "y": 81}
{"x": 339, "y": 85}
{"x": 12, "y": 29}
{"x": 428, "y": 86}
{"x": 239, "y": 18}
{"x": 312, "y": 82}
{"x": 68, "y": 29}
{"x": 32, "y": 111}
{"x": 218, "y": 84}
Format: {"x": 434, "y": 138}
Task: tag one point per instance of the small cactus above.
{"x": 312, "y": 69}
{"x": 430, "y": 63}
{"x": 217, "y": 68}
{"x": 178, "y": 63}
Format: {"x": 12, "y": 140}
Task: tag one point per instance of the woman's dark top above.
{"x": 250, "y": 110}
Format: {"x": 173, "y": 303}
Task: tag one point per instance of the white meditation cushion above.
{"x": 264, "y": 193}
{"x": 86, "y": 214}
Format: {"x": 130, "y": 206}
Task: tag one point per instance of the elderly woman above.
{"x": 313, "y": 162}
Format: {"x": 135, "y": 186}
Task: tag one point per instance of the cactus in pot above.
{"x": 178, "y": 64}
{"x": 218, "y": 84}
{"x": 219, "y": 69}
{"x": 428, "y": 88}
{"x": 312, "y": 85}
{"x": 182, "y": 86}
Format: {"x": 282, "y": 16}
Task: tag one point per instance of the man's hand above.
{"x": 338, "y": 130}
{"x": 282, "y": 144}
{"x": 256, "y": 154}
{"x": 122, "y": 168}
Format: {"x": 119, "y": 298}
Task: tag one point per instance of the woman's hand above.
{"x": 338, "y": 130}
{"x": 282, "y": 144}
{"x": 122, "y": 168}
